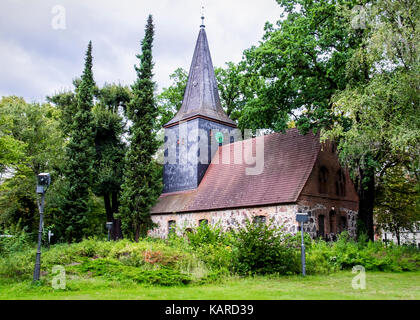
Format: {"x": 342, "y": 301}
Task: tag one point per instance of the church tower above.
{"x": 188, "y": 136}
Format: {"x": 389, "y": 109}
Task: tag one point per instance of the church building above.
{"x": 211, "y": 175}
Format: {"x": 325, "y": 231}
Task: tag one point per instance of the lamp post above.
{"x": 302, "y": 218}
{"x": 44, "y": 180}
{"x": 109, "y": 226}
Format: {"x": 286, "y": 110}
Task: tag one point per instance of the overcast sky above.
{"x": 38, "y": 57}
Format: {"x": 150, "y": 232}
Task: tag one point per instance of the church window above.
{"x": 322, "y": 179}
{"x": 259, "y": 220}
{"x": 321, "y": 228}
{"x": 343, "y": 224}
{"x": 171, "y": 226}
{"x": 332, "y": 221}
{"x": 340, "y": 183}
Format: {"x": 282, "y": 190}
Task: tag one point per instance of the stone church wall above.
{"x": 281, "y": 215}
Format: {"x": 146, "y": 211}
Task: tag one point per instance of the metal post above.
{"x": 303, "y": 251}
{"x": 37, "y": 270}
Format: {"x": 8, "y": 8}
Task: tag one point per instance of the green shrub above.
{"x": 263, "y": 249}
{"x": 373, "y": 256}
{"x": 207, "y": 234}
{"x": 115, "y": 270}
{"x": 18, "y": 241}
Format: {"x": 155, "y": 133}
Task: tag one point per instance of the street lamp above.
{"x": 109, "y": 226}
{"x": 302, "y": 218}
{"x": 43, "y": 181}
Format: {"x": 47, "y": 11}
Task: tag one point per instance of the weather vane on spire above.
{"x": 202, "y": 15}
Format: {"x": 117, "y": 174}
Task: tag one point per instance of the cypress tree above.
{"x": 80, "y": 153}
{"x": 142, "y": 182}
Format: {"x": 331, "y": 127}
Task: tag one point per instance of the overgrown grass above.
{"x": 379, "y": 285}
{"x": 205, "y": 256}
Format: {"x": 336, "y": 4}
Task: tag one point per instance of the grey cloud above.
{"x": 36, "y": 60}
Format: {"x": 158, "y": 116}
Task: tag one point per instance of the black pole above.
{"x": 303, "y": 251}
{"x": 38, "y": 253}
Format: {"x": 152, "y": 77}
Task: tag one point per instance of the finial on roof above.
{"x": 202, "y": 17}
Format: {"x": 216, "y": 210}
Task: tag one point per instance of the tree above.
{"x": 11, "y": 149}
{"x": 397, "y": 207}
{"x": 383, "y": 111}
{"x": 80, "y": 153}
{"x": 169, "y": 101}
{"x": 237, "y": 88}
{"x": 142, "y": 180}
{"x": 35, "y": 129}
{"x": 110, "y": 150}
{"x": 109, "y": 121}
{"x": 302, "y": 61}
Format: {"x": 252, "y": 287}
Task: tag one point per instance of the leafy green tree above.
{"x": 80, "y": 153}
{"x": 37, "y": 130}
{"x": 109, "y": 121}
{"x": 397, "y": 207}
{"x": 110, "y": 150}
{"x": 169, "y": 101}
{"x": 142, "y": 180}
{"x": 383, "y": 111}
{"x": 302, "y": 61}
{"x": 11, "y": 149}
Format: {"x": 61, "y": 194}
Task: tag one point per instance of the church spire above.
{"x": 201, "y": 97}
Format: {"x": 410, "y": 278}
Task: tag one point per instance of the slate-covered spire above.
{"x": 201, "y": 97}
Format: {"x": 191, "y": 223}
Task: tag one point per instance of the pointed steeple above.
{"x": 201, "y": 97}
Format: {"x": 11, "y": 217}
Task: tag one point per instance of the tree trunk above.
{"x": 397, "y": 233}
{"x": 108, "y": 209}
{"x": 366, "y": 192}
{"x": 116, "y": 226}
{"x": 137, "y": 236}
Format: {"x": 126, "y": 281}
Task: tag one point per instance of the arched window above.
{"x": 259, "y": 219}
{"x": 321, "y": 228}
{"x": 171, "y": 226}
{"x": 340, "y": 183}
{"x": 343, "y": 224}
{"x": 333, "y": 224}
{"x": 322, "y": 179}
{"x": 188, "y": 230}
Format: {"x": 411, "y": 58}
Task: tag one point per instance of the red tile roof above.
{"x": 288, "y": 162}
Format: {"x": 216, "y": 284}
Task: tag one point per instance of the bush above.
{"x": 373, "y": 256}
{"x": 115, "y": 270}
{"x": 263, "y": 249}
{"x": 208, "y": 235}
{"x": 18, "y": 241}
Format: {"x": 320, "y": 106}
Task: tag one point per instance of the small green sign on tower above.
{"x": 219, "y": 137}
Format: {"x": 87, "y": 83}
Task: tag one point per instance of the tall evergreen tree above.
{"x": 142, "y": 181}
{"x": 80, "y": 153}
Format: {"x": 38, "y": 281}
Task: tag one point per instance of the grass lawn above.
{"x": 379, "y": 285}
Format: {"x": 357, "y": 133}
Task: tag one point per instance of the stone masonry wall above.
{"x": 281, "y": 215}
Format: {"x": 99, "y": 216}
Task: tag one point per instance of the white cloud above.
{"x": 36, "y": 60}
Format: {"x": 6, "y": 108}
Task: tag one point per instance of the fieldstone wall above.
{"x": 351, "y": 221}
{"x": 282, "y": 215}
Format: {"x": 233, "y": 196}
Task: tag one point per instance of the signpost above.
{"x": 44, "y": 180}
{"x": 302, "y": 218}
{"x": 109, "y": 226}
